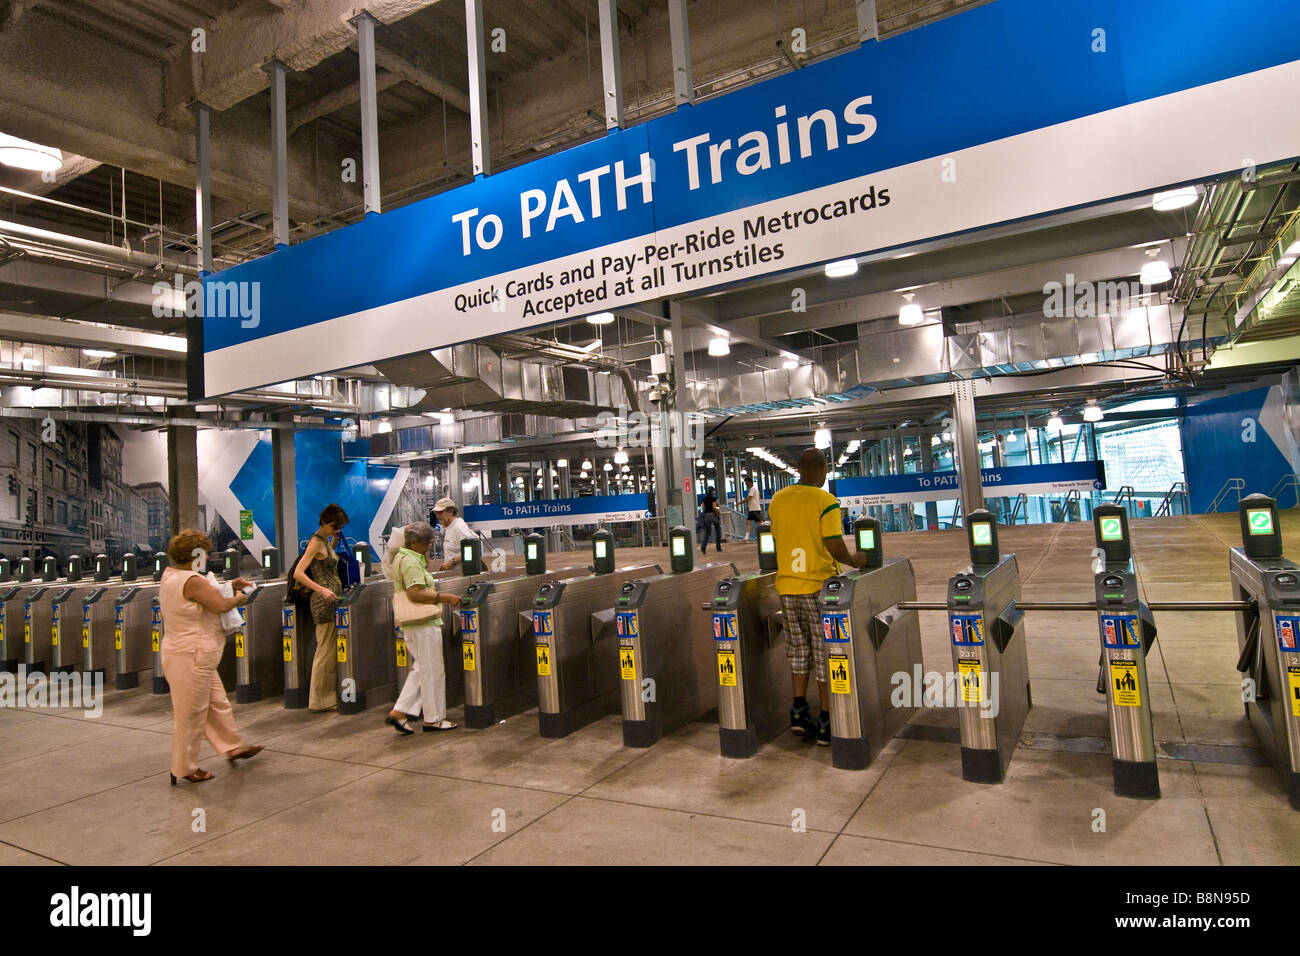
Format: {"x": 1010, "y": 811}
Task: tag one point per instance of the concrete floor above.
{"x": 345, "y": 789}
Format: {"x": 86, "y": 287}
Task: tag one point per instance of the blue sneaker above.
{"x": 801, "y": 721}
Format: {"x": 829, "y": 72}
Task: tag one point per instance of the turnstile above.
{"x": 1269, "y": 637}
{"x": 36, "y": 624}
{"x": 15, "y": 625}
{"x": 667, "y": 676}
{"x": 363, "y": 623}
{"x": 258, "y": 643}
{"x": 68, "y": 637}
{"x": 869, "y": 641}
{"x": 575, "y": 656}
{"x": 987, "y": 633}
{"x": 753, "y": 670}
{"x": 1127, "y": 631}
{"x": 498, "y": 663}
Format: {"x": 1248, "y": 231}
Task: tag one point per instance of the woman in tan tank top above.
{"x": 192, "y": 645}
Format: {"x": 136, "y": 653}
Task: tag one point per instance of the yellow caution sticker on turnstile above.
{"x": 972, "y": 681}
{"x": 467, "y": 654}
{"x": 154, "y": 639}
{"x": 401, "y": 652}
{"x": 54, "y": 635}
{"x": 341, "y": 650}
{"x": 1293, "y": 688}
{"x": 726, "y": 668}
{"x": 85, "y": 637}
{"x": 627, "y": 662}
{"x": 239, "y": 644}
{"x": 27, "y": 633}
{"x": 543, "y": 660}
{"x": 1124, "y": 684}
{"x": 288, "y": 649}
{"x": 837, "y": 665}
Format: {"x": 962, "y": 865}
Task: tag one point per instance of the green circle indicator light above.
{"x": 1260, "y": 521}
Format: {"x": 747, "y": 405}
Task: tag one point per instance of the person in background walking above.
{"x": 192, "y": 645}
{"x": 455, "y": 530}
{"x": 754, "y": 507}
{"x": 318, "y": 571}
{"x": 405, "y": 564}
{"x": 712, "y": 521}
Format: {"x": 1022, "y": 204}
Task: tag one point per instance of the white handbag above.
{"x": 407, "y": 613}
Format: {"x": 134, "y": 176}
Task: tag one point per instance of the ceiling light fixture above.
{"x": 24, "y": 154}
{"x": 1092, "y": 412}
{"x": 719, "y": 346}
{"x": 620, "y": 457}
{"x": 911, "y": 313}
{"x": 384, "y": 428}
{"x": 98, "y": 353}
{"x": 601, "y": 318}
{"x": 841, "y": 268}
{"x": 1155, "y": 273}
{"x": 1054, "y": 424}
{"x": 608, "y": 467}
{"x": 1172, "y": 199}
{"x": 822, "y": 438}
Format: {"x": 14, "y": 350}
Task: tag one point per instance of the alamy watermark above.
{"x": 629, "y": 429}
{"x": 38, "y": 690}
{"x": 216, "y": 298}
{"x": 1086, "y": 300}
{"x": 968, "y": 688}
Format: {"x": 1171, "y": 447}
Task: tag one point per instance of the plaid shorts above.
{"x": 803, "y": 629}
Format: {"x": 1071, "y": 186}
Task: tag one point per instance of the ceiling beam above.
{"x": 46, "y": 330}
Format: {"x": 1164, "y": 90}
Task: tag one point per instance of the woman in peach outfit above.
{"x": 192, "y": 645}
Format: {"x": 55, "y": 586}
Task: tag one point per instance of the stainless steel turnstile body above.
{"x": 1269, "y": 644}
{"x": 1127, "y": 631}
{"x": 128, "y": 620}
{"x": 869, "y": 642}
{"x": 12, "y": 649}
{"x": 259, "y": 654}
{"x": 754, "y": 691}
{"x": 35, "y": 618}
{"x": 363, "y": 622}
{"x": 498, "y": 662}
{"x": 667, "y": 675}
{"x": 64, "y": 639}
{"x": 575, "y": 653}
{"x": 987, "y": 634}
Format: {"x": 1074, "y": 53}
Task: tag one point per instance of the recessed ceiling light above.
{"x": 98, "y": 353}
{"x": 841, "y": 268}
{"x": 1174, "y": 199}
{"x": 23, "y": 154}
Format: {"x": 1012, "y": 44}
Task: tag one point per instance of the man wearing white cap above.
{"x": 454, "y": 531}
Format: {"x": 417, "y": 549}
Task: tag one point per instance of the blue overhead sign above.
{"x": 1082, "y": 476}
{"x": 553, "y": 511}
{"x": 1010, "y": 110}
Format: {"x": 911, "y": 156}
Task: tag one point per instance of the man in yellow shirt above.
{"x": 809, "y": 541}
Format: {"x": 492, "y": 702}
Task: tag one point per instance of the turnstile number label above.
{"x": 288, "y": 649}
{"x": 835, "y": 628}
{"x": 726, "y": 668}
{"x": 1288, "y": 633}
{"x": 467, "y": 655}
{"x": 626, "y": 624}
{"x": 627, "y": 662}
{"x": 1293, "y": 689}
{"x": 837, "y": 666}
{"x": 85, "y": 636}
{"x": 239, "y": 644}
{"x": 724, "y": 629}
{"x": 469, "y": 621}
{"x": 341, "y": 650}
{"x": 1120, "y": 631}
{"x": 972, "y": 681}
{"x": 543, "y": 660}
{"x": 967, "y": 629}
{"x": 1124, "y": 684}
{"x": 401, "y": 652}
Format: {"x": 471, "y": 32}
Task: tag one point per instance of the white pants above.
{"x": 426, "y": 681}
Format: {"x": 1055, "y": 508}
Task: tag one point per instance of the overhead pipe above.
{"x": 141, "y": 260}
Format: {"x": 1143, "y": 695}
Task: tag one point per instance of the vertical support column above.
{"x": 203, "y": 184}
{"x": 183, "y": 477}
{"x": 868, "y": 27}
{"x": 456, "y": 487}
{"x": 681, "y": 507}
{"x": 965, "y": 440}
{"x": 365, "y": 25}
{"x": 478, "y": 118}
{"x": 680, "y": 36}
{"x": 279, "y": 156}
{"x": 611, "y": 67}
{"x": 927, "y": 465}
{"x": 284, "y": 478}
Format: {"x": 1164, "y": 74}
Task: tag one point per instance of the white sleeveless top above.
{"x": 187, "y": 625}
